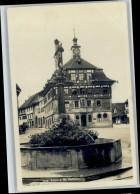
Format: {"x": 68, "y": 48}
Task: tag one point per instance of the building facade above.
{"x": 120, "y": 113}
{"x": 87, "y": 92}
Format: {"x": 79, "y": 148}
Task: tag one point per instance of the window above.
{"x": 99, "y": 117}
{"x": 81, "y": 76}
{"x": 89, "y": 118}
{"x": 82, "y": 102}
{"x": 89, "y": 91}
{"x": 77, "y": 117}
{"x": 56, "y": 91}
{"x": 74, "y": 92}
{"x": 79, "y": 62}
{"x": 43, "y": 120}
{"x": 72, "y": 71}
{"x": 97, "y": 90}
{"x": 105, "y": 117}
{"x": 69, "y": 76}
{"x": 66, "y": 90}
{"x": 76, "y": 104}
{"x": 98, "y": 103}
{"x": 88, "y": 103}
{"x": 105, "y": 91}
{"x": 88, "y": 76}
{"x": 82, "y": 91}
{"x": 73, "y": 77}
{"x": 66, "y": 104}
{"x": 24, "y": 117}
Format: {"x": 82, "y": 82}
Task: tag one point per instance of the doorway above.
{"x": 83, "y": 120}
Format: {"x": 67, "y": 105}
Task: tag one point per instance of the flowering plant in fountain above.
{"x": 65, "y": 132}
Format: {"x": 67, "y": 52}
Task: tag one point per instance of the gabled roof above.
{"x": 98, "y": 75}
{"x": 72, "y": 64}
{"x": 120, "y": 109}
{"x": 31, "y": 101}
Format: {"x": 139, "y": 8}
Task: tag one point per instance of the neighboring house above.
{"x": 27, "y": 110}
{"x": 88, "y": 99}
{"x": 119, "y": 115}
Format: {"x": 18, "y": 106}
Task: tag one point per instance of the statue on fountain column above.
{"x": 58, "y": 54}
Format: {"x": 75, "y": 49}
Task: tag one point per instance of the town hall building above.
{"x": 87, "y": 96}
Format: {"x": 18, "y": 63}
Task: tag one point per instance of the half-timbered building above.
{"x": 87, "y": 94}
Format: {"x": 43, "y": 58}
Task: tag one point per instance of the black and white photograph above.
{"x": 73, "y": 101}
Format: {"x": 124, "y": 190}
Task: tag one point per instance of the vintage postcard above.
{"x": 73, "y": 99}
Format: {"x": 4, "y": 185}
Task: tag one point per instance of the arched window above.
{"x": 105, "y": 116}
{"x": 99, "y": 117}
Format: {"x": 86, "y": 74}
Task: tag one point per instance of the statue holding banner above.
{"x": 58, "y": 54}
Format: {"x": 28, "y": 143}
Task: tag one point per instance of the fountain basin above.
{"x": 104, "y": 152}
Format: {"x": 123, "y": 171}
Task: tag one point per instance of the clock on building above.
{"x": 76, "y": 51}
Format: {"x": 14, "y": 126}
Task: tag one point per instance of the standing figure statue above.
{"x": 58, "y": 54}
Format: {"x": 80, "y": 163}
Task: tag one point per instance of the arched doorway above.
{"x": 83, "y": 120}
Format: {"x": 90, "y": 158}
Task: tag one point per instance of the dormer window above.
{"x": 78, "y": 62}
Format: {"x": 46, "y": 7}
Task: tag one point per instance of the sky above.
{"x": 102, "y": 32}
